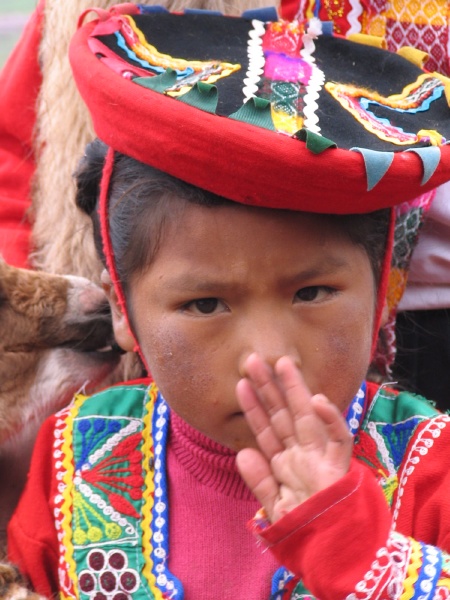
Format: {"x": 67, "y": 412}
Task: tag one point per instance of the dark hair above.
{"x": 143, "y": 198}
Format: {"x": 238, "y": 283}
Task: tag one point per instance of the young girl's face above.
{"x": 229, "y": 281}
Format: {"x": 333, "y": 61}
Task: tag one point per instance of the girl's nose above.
{"x": 270, "y": 344}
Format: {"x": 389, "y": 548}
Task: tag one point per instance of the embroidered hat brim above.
{"x": 211, "y": 137}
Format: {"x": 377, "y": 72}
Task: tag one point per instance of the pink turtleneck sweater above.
{"x": 212, "y": 552}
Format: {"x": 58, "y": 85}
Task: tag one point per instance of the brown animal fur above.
{"x": 12, "y": 585}
{"x": 52, "y": 331}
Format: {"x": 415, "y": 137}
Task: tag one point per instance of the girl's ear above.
{"x": 122, "y": 332}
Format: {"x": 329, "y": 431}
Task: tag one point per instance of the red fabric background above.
{"x": 20, "y": 80}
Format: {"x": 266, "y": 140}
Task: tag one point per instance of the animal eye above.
{"x": 205, "y": 306}
{"x": 314, "y": 293}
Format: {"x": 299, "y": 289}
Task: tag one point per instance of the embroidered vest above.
{"x": 111, "y": 511}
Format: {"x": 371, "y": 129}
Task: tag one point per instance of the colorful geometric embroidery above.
{"x": 146, "y": 60}
{"x": 387, "y": 571}
{"x": 415, "y": 97}
{"x": 423, "y": 442}
{"x": 397, "y": 437}
{"x": 391, "y": 422}
{"x": 422, "y": 25}
{"x": 412, "y": 572}
{"x": 409, "y": 217}
{"x": 112, "y": 510}
{"x": 407, "y": 569}
{"x": 429, "y": 572}
{"x": 285, "y": 74}
{"x": 103, "y": 476}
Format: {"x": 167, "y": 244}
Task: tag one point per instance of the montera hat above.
{"x": 265, "y": 112}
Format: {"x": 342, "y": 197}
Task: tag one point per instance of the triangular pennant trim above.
{"x": 376, "y": 163}
{"x": 158, "y": 83}
{"x": 430, "y": 157}
{"x": 203, "y": 96}
{"x": 314, "y": 142}
{"x": 256, "y": 111}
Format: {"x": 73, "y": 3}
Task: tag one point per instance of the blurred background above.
{"x": 13, "y": 16}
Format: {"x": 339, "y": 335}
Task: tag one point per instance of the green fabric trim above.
{"x": 116, "y": 401}
{"x": 393, "y": 408}
{"x": 158, "y": 83}
{"x": 256, "y": 111}
{"x": 203, "y": 96}
{"x": 314, "y": 142}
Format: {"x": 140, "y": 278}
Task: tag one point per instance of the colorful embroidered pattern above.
{"x": 291, "y": 81}
{"x": 424, "y": 441}
{"x": 298, "y": 67}
{"x": 112, "y": 509}
{"x": 108, "y": 574}
{"x": 408, "y": 221}
{"x": 149, "y": 61}
{"x": 414, "y": 98}
{"x": 422, "y": 25}
{"x": 103, "y": 478}
{"x": 388, "y": 570}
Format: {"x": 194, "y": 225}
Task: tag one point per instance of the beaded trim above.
{"x": 355, "y": 412}
{"x": 423, "y": 443}
{"x": 166, "y": 581}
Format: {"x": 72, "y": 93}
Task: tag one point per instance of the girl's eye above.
{"x": 205, "y": 306}
{"x": 314, "y": 293}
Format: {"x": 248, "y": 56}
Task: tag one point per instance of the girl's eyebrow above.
{"x": 202, "y": 282}
{"x": 198, "y": 283}
{"x": 327, "y": 267}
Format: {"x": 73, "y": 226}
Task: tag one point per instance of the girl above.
{"x": 238, "y": 268}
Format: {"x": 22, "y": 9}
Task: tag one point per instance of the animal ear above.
{"x": 122, "y": 333}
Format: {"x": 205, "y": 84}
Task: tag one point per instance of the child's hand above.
{"x": 305, "y": 445}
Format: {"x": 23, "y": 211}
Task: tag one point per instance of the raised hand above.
{"x": 304, "y": 442}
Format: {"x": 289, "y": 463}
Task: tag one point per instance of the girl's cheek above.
{"x": 339, "y": 361}
{"x": 176, "y": 361}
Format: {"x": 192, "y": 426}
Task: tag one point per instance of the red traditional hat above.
{"x": 269, "y": 113}
{"x": 263, "y": 112}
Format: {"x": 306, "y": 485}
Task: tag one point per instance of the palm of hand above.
{"x": 304, "y": 442}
